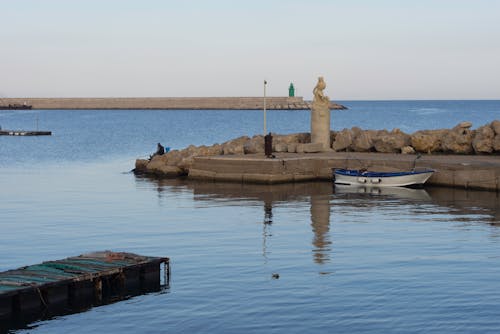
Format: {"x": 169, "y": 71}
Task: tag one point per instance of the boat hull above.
{"x": 380, "y": 179}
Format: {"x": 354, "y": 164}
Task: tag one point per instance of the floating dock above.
{"x": 24, "y": 133}
{"x": 77, "y": 283}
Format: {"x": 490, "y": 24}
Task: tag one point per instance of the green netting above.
{"x": 40, "y": 269}
{"x": 26, "y": 279}
{"x": 68, "y": 267}
{"x": 5, "y": 288}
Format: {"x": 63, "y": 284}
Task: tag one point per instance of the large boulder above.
{"x": 459, "y": 139}
{"x": 427, "y": 141}
{"x": 343, "y": 140}
{"x": 407, "y": 150}
{"x": 158, "y": 165}
{"x": 254, "y": 145}
{"x": 391, "y": 142}
{"x": 363, "y": 140}
{"x": 292, "y": 138}
{"x": 141, "y": 165}
{"x": 280, "y": 147}
{"x": 215, "y": 149}
{"x": 496, "y": 143}
{"x": 495, "y": 125}
{"x": 333, "y": 134}
{"x": 303, "y": 137}
{"x": 173, "y": 158}
{"x": 208, "y": 151}
{"x": 235, "y": 146}
{"x": 483, "y": 139}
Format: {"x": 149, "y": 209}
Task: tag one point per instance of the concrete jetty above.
{"x": 461, "y": 171}
{"x": 188, "y": 103}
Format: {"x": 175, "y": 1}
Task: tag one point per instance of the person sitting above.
{"x": 160, "y": 150}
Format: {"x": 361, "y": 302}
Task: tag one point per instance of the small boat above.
{"x": 361, "y": 177}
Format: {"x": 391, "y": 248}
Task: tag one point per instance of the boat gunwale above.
{"x": 359, "y": 173}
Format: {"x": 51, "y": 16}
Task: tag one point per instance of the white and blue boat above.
{"x": 362, "y": 177}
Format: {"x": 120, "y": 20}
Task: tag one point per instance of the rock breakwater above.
{"x": 460, "y": 139}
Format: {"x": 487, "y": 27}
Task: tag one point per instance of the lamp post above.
{"x": 265, "y": 128}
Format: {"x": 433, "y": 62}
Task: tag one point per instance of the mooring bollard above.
{"x": 268, "y": 145}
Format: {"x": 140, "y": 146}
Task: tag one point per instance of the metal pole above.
{"x": 265, "y": 128}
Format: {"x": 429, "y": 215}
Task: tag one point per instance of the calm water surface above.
{"x": 350, "y": 261}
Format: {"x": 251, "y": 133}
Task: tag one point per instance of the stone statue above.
{"x": 319, "y": 97}
{"x": 320, "y": 116}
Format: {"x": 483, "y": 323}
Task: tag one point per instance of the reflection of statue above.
{"x": 320, "y": 223}
{"x": 320, "y": 116}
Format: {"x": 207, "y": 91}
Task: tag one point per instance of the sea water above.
{"x": 349, "y": 261}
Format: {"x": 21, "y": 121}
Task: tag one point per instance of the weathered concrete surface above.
{"x": 243, "y": 103}
{"x": 462, "y": 171}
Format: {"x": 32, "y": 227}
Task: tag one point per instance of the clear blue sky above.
{"x": 384, "y": 49}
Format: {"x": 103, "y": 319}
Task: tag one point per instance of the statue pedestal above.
{"x": 320, "y": 124}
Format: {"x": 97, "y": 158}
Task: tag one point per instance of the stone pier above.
{"x": 460, "y": 171}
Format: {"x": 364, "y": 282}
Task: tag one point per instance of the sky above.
{"x": 365, "y": 49}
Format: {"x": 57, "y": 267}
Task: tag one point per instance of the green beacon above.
{"x": 291, "y": 90}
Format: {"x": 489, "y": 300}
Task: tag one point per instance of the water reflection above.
{"x": 266, "y": 228}
{"x": 464, "y": 202}
{"x": 469, "y": 205}
{"x": 320, "y": 224}
{"x": 400, "y": 193}
{"x": 318, "y": 194}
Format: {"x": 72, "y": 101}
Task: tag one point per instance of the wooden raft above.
{"x": 76, "y": 283}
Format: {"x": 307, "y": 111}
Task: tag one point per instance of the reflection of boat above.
{"x": 381, "y": 179}
{"x": 397, "y": 192}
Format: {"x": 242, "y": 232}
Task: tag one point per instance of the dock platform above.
{"x": 76, "y": 283}
{"x": 24, "y": 133}
{"x": 459, "y": 171}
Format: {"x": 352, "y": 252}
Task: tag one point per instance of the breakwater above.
{"x": 462, "y": 157}
{"x": 191, "y": 103}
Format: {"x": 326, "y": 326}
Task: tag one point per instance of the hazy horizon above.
{"x": 430, "y": 50}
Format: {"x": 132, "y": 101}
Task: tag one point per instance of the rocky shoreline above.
{"x": 461, "y": 139}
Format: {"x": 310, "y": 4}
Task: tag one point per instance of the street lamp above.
{"x": 265, "y": 128}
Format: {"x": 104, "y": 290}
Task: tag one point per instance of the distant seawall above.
{"x": 197, "y": 103}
